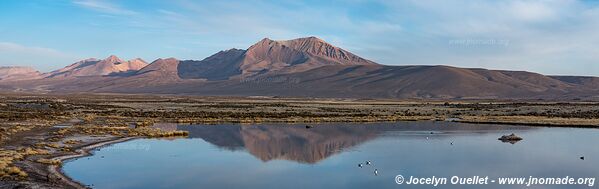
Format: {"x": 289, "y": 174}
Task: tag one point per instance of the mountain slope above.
{"x": 268, "y": 57}
{"x": 219, "y": 66}
{"x": 377, "y": 81}
{"x": 12, "y": 73}
{"x": 371, "y": 81}
{"x": 95, "y": 67}
{"x": 317, "y": 47}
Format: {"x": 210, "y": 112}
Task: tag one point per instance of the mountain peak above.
{"x": 264, "y": 42}
{"x": 304, "y": 49}
{"x": 311, "y": 38}
{"x": 171, "y": 59}
{"x": 269, "y": 56}
{"x": 160, "y": 66}
{"x": 266, "y": 39}
{"x": 233, "y": 49}
{"x": 138, "y": 61}
{"x": 113, "y": 59}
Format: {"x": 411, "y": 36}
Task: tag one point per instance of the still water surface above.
{"x": 327, "y": 156}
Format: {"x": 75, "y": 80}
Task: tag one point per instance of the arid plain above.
{"x": 38, "y": 131}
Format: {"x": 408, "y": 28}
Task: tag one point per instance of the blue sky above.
{"x": 559, "y": 37}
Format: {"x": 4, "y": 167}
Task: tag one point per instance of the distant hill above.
{"x": 11, "y": 73}
{"x": 304, "y": 67}
{"x": 95, "y": 67}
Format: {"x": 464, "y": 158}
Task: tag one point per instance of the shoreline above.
{"x": 548, "y": 125}
{"x": 82, "y": 151}
{"x": 524, "y": 124}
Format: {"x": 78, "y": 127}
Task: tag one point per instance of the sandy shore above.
{"x": 81, "y": 152}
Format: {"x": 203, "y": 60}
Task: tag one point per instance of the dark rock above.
{"x": 510, "y": 138}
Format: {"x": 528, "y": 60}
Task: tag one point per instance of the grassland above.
{"x": 30, "y": 142}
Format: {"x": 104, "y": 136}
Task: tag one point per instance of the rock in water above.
{"x": 510, "y": 138}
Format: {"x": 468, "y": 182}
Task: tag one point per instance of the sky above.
{"x": 555, "y": 37}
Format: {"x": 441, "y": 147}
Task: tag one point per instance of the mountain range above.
{"x": 303, "y": 67}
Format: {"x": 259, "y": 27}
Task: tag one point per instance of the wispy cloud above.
{"x": 104, "y": 7}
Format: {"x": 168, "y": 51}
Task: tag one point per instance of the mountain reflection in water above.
{"x": 291, "y": 156}
{"x": 297, "y": 143}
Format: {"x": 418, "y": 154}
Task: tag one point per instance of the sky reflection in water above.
{"x": 327, "y": 156}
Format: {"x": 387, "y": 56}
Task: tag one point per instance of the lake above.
{"x": 328, "y": 155}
